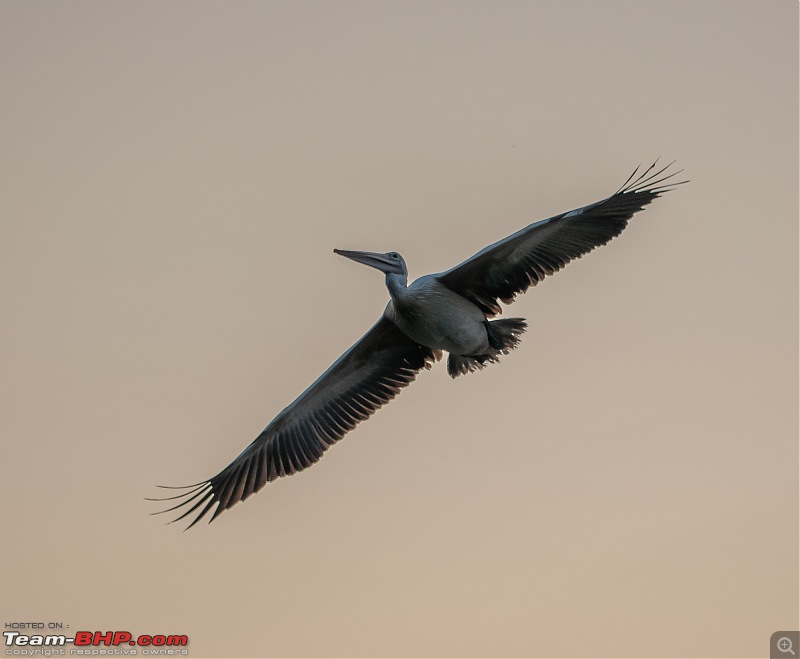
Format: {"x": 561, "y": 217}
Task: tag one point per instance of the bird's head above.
{"x": 390, "y": 262}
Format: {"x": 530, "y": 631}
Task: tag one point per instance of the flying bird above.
{"x": 450, "y": 311}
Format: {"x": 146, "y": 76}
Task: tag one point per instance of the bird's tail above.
{"x": 504, "y": 336}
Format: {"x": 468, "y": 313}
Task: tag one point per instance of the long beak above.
{"x": 372, "y": 259}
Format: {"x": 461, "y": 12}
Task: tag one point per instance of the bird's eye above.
{"x": 394, "y": 255}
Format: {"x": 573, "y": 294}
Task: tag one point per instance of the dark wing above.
{"x": 510, "y": 266}
{"x": 363, "y": 379}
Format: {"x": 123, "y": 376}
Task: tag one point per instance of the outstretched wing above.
{"x": 366, "y": 377}
{"x": 523, "y": 259}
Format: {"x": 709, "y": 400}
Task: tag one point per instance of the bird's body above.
{"x": 434, "y": 316}
{"x": 451, "y": 311}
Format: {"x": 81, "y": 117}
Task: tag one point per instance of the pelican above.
{"x": 450, "y": 311}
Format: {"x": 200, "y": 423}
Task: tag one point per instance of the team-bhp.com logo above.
{"x": 88, "y": 642}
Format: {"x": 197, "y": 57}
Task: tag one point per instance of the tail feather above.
{"x": 504, "y": 336}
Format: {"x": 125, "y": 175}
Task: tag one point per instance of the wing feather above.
{"x": 512, "y": 265}
{"x": 361, "y": 381}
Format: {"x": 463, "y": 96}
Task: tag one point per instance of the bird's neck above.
{"x": 396, "y": 284}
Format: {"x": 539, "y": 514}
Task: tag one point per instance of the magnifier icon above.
{"x": 785, "y": 645}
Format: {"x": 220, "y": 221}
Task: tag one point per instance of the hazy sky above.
{"x": 173, "y": 179}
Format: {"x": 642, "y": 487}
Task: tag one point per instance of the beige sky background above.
{"x": 174, "y": 177}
